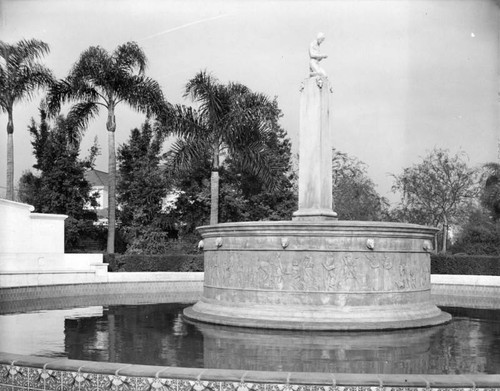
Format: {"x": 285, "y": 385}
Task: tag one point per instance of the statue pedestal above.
{"x": 315, "y": 152}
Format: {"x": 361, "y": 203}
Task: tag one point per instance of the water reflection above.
{"x": 470, "y": 343}
{"x": 138, "y": 334}
{"x": 404, "y": 351}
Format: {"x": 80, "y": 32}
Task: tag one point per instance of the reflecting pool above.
{"x": 157, "y": 334}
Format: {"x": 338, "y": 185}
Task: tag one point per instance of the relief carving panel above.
{"x": 317, "y": 272}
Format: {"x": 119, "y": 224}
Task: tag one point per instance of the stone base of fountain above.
{"x": 317, "y": 275}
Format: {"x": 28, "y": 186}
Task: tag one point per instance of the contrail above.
{"x": 183, "y": 26}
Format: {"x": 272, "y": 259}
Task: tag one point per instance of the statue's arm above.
{"x": 315, "y": 54}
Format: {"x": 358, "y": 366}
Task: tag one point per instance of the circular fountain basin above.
{"x": 317, "y": 275}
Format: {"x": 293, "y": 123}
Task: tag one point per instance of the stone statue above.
{"x": 315, "y": 56}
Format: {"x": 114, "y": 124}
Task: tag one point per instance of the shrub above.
{"x": 78, "y": 232}
{"x": 153, "y": 242}
{"x": 479, "y": 236}
{"x": 83, "y": 236}
{"x": 465, "y": 264}
{"x": 155, "y": 263}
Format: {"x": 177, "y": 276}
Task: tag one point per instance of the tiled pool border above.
{"x": 40, "y": 373}
{"x": 18, "y": 372}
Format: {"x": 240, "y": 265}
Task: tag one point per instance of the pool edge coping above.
{"x": 66, "y": 367}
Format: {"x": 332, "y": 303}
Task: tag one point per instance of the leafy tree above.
{"x": 61, "y": 186}
{"x": 439, "y": 188}
{"x": 20, "y": 76}
{"x": 29, "y": 186}
{"x": 354, "y": 193}
{"x": 478, "y": 236}
{"x": 142, "y": 184}
{"x": 100, "y": 79}
{"x": 191, "y": 188}
{"x": 490, "y": 197}
{"x": 230, "y": 120}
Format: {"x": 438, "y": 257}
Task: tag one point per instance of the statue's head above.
{"x": 320, "y": 38}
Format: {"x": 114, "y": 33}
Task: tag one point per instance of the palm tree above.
{"x": 100, "y": 79}
{"x": 20, "y": 76}
{"x": 229, "y": 119}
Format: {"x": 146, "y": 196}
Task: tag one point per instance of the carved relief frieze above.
{"x": 377, "y": 261}
{"x": 341, "y": 274}
{"x": 218, "y": 270}
{"x": 406, "y": 278}
{"x": 301, "y": 274}
{"x": 265, "y": 275}
{"x": 332, "y": 280}
{"x": 279, "y": 277}
{"x": 412, "y": 273}
{"x": 319, "y": 272}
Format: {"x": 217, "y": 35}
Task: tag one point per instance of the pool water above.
{"x": 157, "y": 334}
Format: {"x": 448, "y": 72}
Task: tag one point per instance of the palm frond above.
{"x": 141, "y": 93}
{"x": 184, "y": 153}
{"x": 187, "y": 123}
{"x": 78, "y": 118}
{"x": 29, "y": 79}
{"x": 211, "y": 96}
{"x": 257, "y": 159}
{"x": 198, "y": 87}
{"x": 249, "y": 121}
{"x": 91, "y": 65}
{"x": 69, "y": 90}
{"x": 20, "y": 74}
{"x": 3, "y": 78}
{"x": 130, "y": 56}
{"x": 23, "y": 52}
{"x": 238, "y": 89}
{"x": 164, "y": 113}
{"x": 32, "y": 49}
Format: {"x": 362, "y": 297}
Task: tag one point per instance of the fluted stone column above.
{"x": 315, "y": 151}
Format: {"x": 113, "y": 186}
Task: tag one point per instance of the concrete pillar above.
{"x": 315, "y": 152}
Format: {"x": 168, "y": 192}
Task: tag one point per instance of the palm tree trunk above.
{"x": 111, "y": 126}
{"x": 214, "y": 187}
{"x": 214, "y": 200}
{"x": 445, "y": 235}
{"x": 10, "y": 157}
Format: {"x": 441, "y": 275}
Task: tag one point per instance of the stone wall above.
{"x": 32, "y": 250}
{"x": 468, "y": 291}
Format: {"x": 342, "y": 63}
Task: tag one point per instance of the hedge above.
{"x": 465, "y": 264}
{"x": 155, "y": 263}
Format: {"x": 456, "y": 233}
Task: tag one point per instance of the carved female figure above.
{"x": 316, "y": 56}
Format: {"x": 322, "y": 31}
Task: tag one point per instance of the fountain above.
{"x": 316, "y": 272}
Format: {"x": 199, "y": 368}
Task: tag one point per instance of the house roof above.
{"x": 97, "y": 178}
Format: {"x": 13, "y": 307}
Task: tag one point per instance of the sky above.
{"x": 407, "y": 75}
